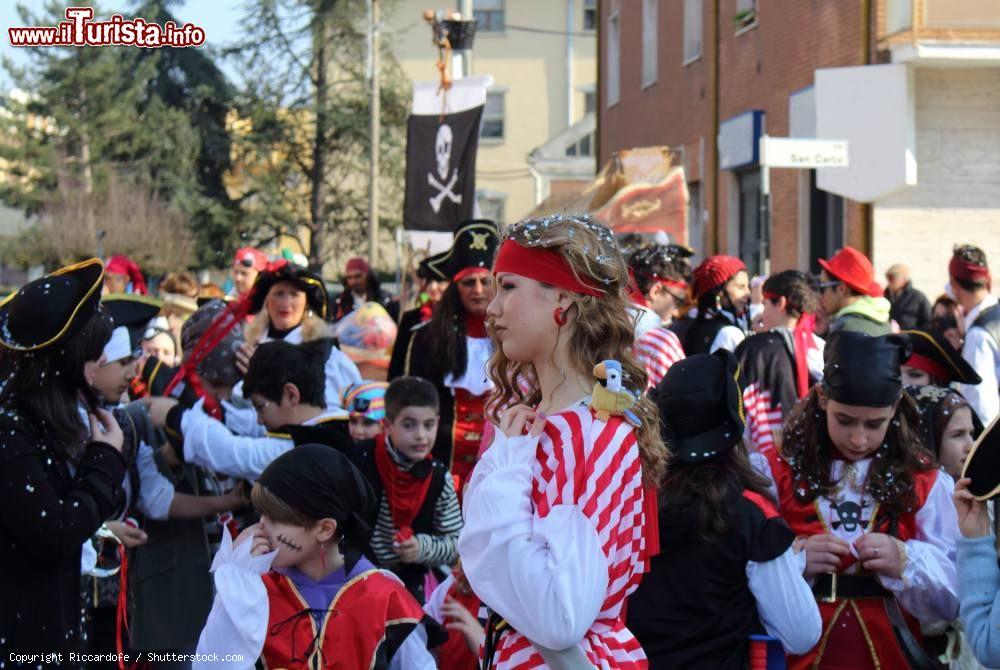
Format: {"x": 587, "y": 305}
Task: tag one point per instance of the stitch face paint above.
{"x": 288, "y": 543}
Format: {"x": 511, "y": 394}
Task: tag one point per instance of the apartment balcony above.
{"x": 940, "y": 32}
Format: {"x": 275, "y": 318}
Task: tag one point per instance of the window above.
{"x": 614, "y": 59}
{"x": 489, "y": 15}
{"x": 582, "y": 147}
{"x": 492, "y": 205}
{"x": 492, "y": 125}
{"x": 692, "y": 30}
{"x": 649, "y": 41}
{"x": 751, "y": 238}
{"x": 590, "y": 14}
{"x": 746, "y": 14}
{"x": 589, "y": 102}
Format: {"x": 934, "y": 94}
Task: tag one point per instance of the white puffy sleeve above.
{"x": 785, "y": 603}
{"x": 413, "y": 653}
{"x": 242, "y": 418}
{"x": 156, "y": 492}
{"x": 237, "y": 625}
{"x": 545, "y": 575}
{"x": 209, "y": 444}
{"x": 341, "y": 372}
{"x": 729, "y": 337}
{"x": 929, "y": 587}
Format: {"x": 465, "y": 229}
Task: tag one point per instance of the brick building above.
{"x": 922, "y": 120}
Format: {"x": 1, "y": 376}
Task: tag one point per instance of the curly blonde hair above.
{"x": 603, "y": 328}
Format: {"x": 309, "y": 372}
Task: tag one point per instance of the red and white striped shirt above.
{"x": 595, "y": 466}
{"x": 656, "y": 350}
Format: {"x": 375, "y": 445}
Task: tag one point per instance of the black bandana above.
{"x": 862, "y": 370}
{"x": 322, "y": 483}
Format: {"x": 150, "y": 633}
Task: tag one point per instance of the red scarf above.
{"x": 406, "y": 494}
{"x": 804, "y": 341}
{"x": 475, "y": 326}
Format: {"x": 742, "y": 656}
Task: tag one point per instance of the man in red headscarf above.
{"x": 971, "y": 284}
{"x": 361, "y": 286}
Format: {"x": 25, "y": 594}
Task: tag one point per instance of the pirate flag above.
{"x": 440, "y": 169}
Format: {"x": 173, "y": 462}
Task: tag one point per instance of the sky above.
{"x": 219, "y": 18}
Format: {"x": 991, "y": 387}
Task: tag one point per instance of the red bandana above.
{"x": 541, "y": 265}
{"x": 928, "y": 365}
{"x": 960, "y": 268}
{"x": 406, "y": 494}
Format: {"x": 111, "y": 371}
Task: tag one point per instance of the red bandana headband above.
{"x": 541, "y": 265}
{"x": 959, "y": 268}
{"x": 673, "y": 283}
{"x": 928, "y": 365}
{"x": 468, "y": 272}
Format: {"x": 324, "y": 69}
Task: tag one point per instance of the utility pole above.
{"x": 463, "y": 59}
{"x": 375, "y": 129}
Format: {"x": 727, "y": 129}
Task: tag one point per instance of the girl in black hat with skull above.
{"x": 727, "y": 569}
{"x": 871, "y": 511}
{"x": 58, "y": 480}
{"x": 290, "y": 304}
{"x": 296, "y": 589}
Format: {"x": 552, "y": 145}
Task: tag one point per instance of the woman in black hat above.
{"x": 727, "y": 569}
{"x": 873, "y": 512}
{"x": 58, "y": 481}
{"x": 432, "y": 285}
{"x": 451, "y": 350}
{"x": 290, "y": 304}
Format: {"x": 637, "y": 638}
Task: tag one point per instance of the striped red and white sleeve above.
{"x": 656, "y": 351}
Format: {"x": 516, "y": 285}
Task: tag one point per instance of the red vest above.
{"x": 466, "y": 434}
{"x": 353, "y": 628}
{"x": 856, "y": 632}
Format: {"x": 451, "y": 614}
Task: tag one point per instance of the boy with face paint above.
{"x": 871, "y": 510}
{"x": 419, "y": 518}
{"x": 283, "y": 587}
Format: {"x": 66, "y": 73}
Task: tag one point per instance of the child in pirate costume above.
{"x": 58, "y": 482}
{"x": 934, "y": 361}
{"x": 660, "y": 273}
{"x": 451, "y": 350}
{"x": 557, "y": 530}
{"x": 365, "y": 405}
{"x": 419, "y": 518}
{"x": 779, "y": 365}
{"x": 296, "y": 591}
{"x": 872, "y": 512}
{"x": 727, "y": 569}
{"x": 286, "y": 385}
{"x": 722, "y": 289}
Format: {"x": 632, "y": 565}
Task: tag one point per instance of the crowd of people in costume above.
{"x": 562, "y": 451}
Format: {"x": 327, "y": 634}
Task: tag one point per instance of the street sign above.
{"x": 791, "y": 152}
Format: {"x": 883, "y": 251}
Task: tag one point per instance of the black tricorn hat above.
{"x": 864, "y": 370}
{"x": 157, "y": 377}
{"x": 48, "y": 310}
{"x": 309, "y": 283}
{"x": 474, "y": 246}
{"x": 132, "y": 311}
{"x": 701, "y": 406}
{"x": 982, "y": 465}
{"x": 934, "y": 355}
{"x": 428, "y": 272}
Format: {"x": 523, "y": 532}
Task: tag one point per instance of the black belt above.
{"x": 829, "y": 588}
{"x": 495, "y": 627}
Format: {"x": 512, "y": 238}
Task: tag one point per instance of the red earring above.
{"x": 560, "y": 316}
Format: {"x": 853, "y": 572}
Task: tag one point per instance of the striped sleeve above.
{"x": 763, "y": 420}
{"x": 656, "y": 351}
{"x": 383, "y": 534}
{"x": 441, "y": 548}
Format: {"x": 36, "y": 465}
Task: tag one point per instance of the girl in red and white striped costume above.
{"x": 660, "y": 274}
{"x": 557, "y": 531}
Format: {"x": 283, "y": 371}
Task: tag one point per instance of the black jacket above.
{"x": 910, "y": 308}
{"x": 46, "y": 514}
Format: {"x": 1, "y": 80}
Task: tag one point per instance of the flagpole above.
{"x": 375, "y": 130}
